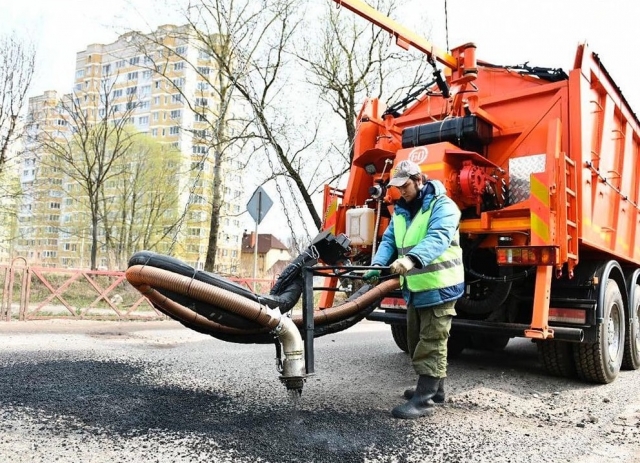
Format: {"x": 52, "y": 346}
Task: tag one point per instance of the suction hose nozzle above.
{"x": 293, "y": 367}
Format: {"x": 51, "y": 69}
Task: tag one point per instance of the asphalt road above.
{"x": 158, "y": 392}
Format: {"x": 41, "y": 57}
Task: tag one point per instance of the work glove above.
{"x": 402, "y": 266}
{"x": 371, "y": 276}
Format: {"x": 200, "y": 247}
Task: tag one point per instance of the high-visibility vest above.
{"x": 444, "y": 271}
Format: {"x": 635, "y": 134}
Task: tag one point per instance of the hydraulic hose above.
{"x": 152, "y": 281}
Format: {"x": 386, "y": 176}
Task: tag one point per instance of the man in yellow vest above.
{"x": 423, "y": 244}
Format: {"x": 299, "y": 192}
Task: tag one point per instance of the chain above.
{"x": 284, "y": 207}
{"x": 446, "y": 23}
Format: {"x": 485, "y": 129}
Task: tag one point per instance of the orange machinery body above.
{"x": 582, "y": 127}
{"x": 581, "y": 196}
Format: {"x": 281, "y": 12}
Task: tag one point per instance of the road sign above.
{"x": 259, "y": 205}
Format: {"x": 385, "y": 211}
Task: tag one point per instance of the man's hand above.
{"x": 402, "y": 265}
{"x": 372, "y": 276}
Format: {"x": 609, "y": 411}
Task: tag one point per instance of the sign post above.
{"x": 257, "y": 207}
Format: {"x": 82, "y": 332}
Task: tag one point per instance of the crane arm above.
{"x": 404, "y": 37}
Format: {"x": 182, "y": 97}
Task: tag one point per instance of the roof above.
{"x": 266, "y": 242}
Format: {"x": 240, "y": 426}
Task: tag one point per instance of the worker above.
{"x": 422, "y": 242}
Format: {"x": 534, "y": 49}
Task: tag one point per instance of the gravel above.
{"x": 73, "y": 391}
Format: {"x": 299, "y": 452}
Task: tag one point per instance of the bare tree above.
{"x": 17, "y": 64}
{"x": 252, "y": 46}
{"x": 92, "y": 149}
{"x": 260, "y": 33}
{"x": 355, "y": 60}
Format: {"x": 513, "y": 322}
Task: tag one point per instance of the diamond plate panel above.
{"x": 520, "y": 170}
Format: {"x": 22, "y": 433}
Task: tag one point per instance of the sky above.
{"x": 544, "y": 33}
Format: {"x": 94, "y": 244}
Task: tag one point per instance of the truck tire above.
{"x": 455, "y": 345}
{"x": 399, "y": 333}
{"x": 557, "y": 358}
{"x": 492, "y": 343}
{"x": 631, "y": 358}
{"x": 600, "y": 361}
{"x": 458, "y": 341}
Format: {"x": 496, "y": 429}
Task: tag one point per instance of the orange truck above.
{"x": 544, "y": 166}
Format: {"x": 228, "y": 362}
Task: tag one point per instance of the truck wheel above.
{"x": 456, "y": 344}
{"x": 631, "y": 358}
{"x": 557, "y": 358}
{"x": 458, "y": 341}
{"x": 399, "y": 333}
{"x": 600, "y": 361}
{"x": 488, "y": 342}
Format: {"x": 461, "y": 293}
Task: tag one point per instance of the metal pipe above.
{"x": 293, "y": 369}
{"x": 560, "y": 333}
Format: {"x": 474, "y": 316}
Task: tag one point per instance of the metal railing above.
{"x": 36, "y": 293}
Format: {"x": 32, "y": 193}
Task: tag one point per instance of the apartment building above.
{"x": 154, "y": 81}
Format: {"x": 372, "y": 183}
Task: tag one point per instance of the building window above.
{"x": 178, "y": 83}
{"x": 146, "y": 74}
{"x": 132, "y": 75}
{"x": 143, "y": 120}
{"x": 176, "y": 98}
{"x": 106, "y": 69}
{"x": 132, "y": 90}
{"x": 176, "y": 114}
{"x": 79, "y": 73}
{"x": 178, "y": 66}
{"x": 181, "y": 50}
{"x": 120, "y": 64}
{"x": 134, "y": 61}
{"x": 175, "y": 130}
{"x": 201, "y": 102}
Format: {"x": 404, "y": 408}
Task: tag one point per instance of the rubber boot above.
{"x": 438, "y": 398}
{"x": 420, "y": 404}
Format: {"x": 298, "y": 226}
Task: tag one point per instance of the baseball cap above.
{"x": 403, "y": 171}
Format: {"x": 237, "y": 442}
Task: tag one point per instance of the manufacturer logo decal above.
{"x": 418, "y": 155}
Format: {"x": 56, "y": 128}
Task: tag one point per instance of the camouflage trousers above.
{"x": 427, "y": 334}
